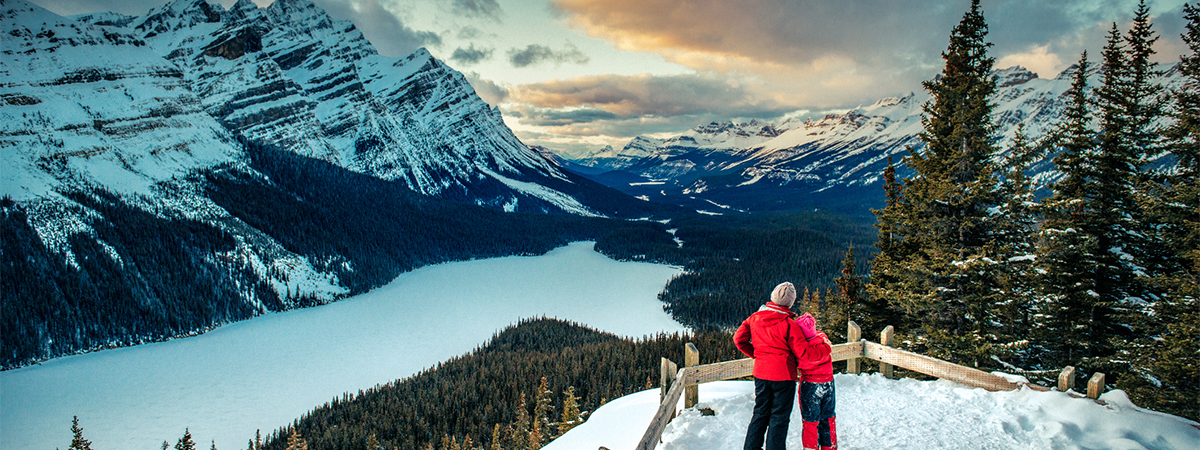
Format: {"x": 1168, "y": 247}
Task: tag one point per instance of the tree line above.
{"x": 515, "y": 392}
{"x": 979, "y": 265}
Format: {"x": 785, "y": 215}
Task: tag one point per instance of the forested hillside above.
{"x": 493, "y": 391}
{"x": 734, "y": 262}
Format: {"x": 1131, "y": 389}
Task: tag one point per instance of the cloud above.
{"x": 707, "y": 34}
{"x": 469, "y": 32}
{"x": 608, "y": 108}
{"x": 581, "y": 114}
{"x": 471, "y": 55}
{"x": 547, "y": 117}
{"x": 485, "y": 9}
{"x": 1037, "y": 59}
{"x": 382, "y": 28}
{"x": 841, "y": 53}
{"x": 649, "y": 95}
{"x": 537, "y": 54}
{"x": 487, "y": 90}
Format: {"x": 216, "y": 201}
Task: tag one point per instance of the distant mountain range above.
{"x": 834, "y": 162}
{"x": 193, "y": 166}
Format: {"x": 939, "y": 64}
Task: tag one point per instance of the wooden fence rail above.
{"x": 692, "y": 375}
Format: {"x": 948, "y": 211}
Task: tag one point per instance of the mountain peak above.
{"x": 178, "y": 14}
{"x": 1013, "y": 76}
{"x": 242, "y": 7}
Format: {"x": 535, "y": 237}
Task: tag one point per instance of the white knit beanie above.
{"x": 784, "y": 294}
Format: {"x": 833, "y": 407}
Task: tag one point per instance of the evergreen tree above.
{"x": 1168, "y": 369}
{"x": 1015, "y": 249}
{"x": 844, "y": 305}
{"x": 542, "y": 408}
{"x": 1120, "y": 244}
{"x": 214, "y": 445}
{"x": 1144, "y": 107}
{"x": 949, "y": 285}
{"x": 518, "y": 434}
{"x": 570, "y": 413}
{"x": 888, "y": 267}
{"x": 295, "y": 442}
{"x": 185, "y": 442}
{"x": 77, "y": 440}
{"x": 1143, "y": 101}
{"x": 1068, "y": 251}
{"x": 373, "y": 442}
{"x": 495, "y": 438}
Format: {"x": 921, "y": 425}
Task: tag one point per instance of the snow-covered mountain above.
{"x": 201, "y": 153}
{"x": 834, "y": 162}
{"x": 608, "y": 158}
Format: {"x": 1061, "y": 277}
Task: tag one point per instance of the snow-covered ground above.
{"x": 877, "y": 413}
{"x": 265, "y": 372}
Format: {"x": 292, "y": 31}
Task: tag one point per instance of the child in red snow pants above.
{"x": 816, "y": 389}
{"x": 817, "y": 402}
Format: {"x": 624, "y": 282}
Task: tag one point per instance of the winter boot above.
{"x": 810, "y": 436}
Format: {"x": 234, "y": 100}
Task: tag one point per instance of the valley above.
{"x": 262, "y": 373}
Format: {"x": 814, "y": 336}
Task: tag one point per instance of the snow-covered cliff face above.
{"x": 835, "y": 161}
{"x": 286, "y": 75}
{"x": 289, "y": 75}
{"x": 89, "y": 108}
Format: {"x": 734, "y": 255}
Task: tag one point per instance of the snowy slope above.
{"x": 877, "y": 413}
{"x": 834, "y": 161}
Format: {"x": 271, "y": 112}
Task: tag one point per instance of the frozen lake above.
{"x": 264, "y": 372}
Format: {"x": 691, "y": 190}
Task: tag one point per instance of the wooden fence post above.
{"x": 1066, "y": 379}
{"x": 668, "y": 376}
{"x": 885, "y": 338}
{"x": 1095, "y": 386}
{"x": 691, "y": 392}
{"x": 853, "y": 334}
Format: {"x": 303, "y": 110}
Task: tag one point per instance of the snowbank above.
{"x": 878, "y": 413}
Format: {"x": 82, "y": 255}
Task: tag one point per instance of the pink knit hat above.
{"x": 784, "y": 294}
{"x": 808, "y": 325}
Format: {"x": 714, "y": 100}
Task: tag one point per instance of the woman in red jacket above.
{"x": 817, "y": 399}
{"x": 775, "y": 341}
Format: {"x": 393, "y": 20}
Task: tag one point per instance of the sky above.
{"x": 577, "y": 75}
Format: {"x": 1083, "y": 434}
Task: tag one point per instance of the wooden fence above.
{"x": 685, "y": 382}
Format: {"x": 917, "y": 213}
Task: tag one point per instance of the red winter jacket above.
{"x": 816, "y": 365}
{"x": 773, "y": 339}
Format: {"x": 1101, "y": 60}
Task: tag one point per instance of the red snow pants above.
{"x": 817, "y": 403}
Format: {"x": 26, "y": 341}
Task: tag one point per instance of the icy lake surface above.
{"x": 262, "y": 373}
